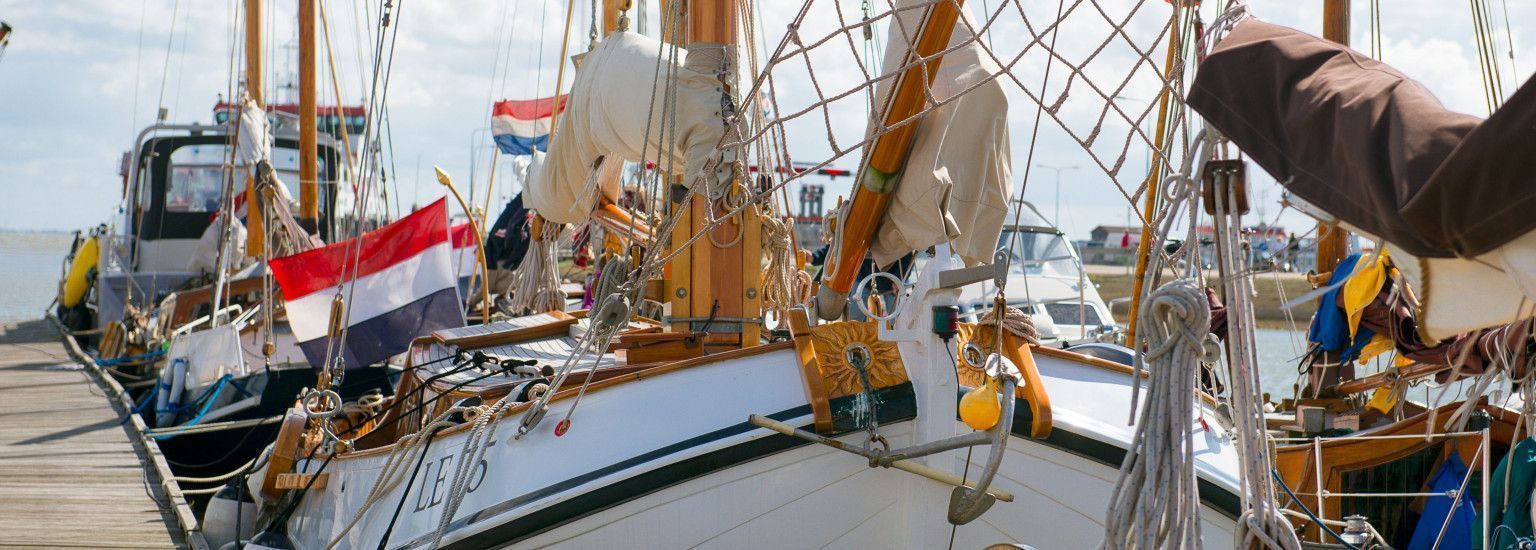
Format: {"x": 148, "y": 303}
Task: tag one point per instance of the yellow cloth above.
{"x": 1379, "y": 343}
{"x": 1382, "y": 400}
{"x": 1362, "y": 286}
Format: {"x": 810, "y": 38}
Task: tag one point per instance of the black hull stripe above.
{"x": 896, "y": 404}
{"x": 1109, "y": 454}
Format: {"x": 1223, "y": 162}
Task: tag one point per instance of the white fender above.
{"x": 169, "y": 398}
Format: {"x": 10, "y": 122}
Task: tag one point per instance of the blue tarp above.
{"x": 1458, "y": 533}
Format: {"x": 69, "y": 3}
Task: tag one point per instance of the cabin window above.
{"x": 1066, "y": 313}
{"x": 1038, "y": 253}
{"x": 198, "y": 177}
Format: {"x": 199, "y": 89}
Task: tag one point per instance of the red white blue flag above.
{"x": 522, "y": 126}
{"x": 398, "y": 283}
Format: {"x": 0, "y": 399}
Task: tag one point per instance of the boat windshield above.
{"x": 197, "y": 175}
{"x": 1035, "y": 252}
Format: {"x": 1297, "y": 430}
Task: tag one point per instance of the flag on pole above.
{"x": 398, "y": 283}
{"x": 521, "y": 126}
{"x": 466, "y": 254}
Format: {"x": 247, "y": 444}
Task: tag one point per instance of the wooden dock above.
{"x": 71, "y": 474}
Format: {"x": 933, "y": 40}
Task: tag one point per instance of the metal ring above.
{"x": 312, "y": 400}
{"x": 896, "y": 302}
{"x": 973, "y": 355}
{"x": 860, "y": 351}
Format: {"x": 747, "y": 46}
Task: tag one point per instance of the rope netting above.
{"x": 1112, "y": 60}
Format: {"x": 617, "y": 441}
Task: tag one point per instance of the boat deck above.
{"x": 70, "y": 473}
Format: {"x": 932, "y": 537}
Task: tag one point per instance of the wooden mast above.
{"x": 888, "y": 153}
{"x": 612, "y": 11}
{"x": 254, "y": 242}
{"x": 1154, "y": 179}
{"x": 309, "y": 164}
{"x": 1332, "y": 240}
{"x": 717, "y": 289}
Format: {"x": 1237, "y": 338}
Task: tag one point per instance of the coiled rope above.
{"x": 784, "y": 285}
{"x": 536, "y": 281}
{"x": 1015, "y": 321}
{"x": 1156, "y": 502}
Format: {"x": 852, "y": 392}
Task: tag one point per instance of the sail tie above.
{"x": 536, "y": 281}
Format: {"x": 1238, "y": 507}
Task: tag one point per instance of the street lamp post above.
{"x": 474, "y": 140}
{"x": 1059, "y": 169}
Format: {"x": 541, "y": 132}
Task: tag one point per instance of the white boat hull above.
{"x": 669, "y": 461}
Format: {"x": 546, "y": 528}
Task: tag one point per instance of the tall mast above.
{"x": 1332, "y": 240}
{"x": 712, "y": 288}
{"x": 254, "y": 242}
{"x": 309, "y": 164}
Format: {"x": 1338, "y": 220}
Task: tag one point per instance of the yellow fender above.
{"x": 76, "y": 283}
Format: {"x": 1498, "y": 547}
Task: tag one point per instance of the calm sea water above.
{"x": 30, "y": 265}
{"x": 1279, "y": 351}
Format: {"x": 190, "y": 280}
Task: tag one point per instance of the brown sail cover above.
{"x": 1359, "y": 139}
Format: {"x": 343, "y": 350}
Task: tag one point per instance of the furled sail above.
{"x": 614, "y": 114}
{"x": 1448, "y": 192}
{"x": 954, "y": 187}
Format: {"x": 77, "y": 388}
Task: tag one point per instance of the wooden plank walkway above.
{"x": 69, "y": 473}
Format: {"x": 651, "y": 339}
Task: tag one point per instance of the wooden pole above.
{"x": 887, "y": 156}
{"x": 1154, "y": 181}
{"x": 724, "y": 281}
{"x": 309, "y": 164}
{"x": 1333, "y": 241}
{"x": 485, "y": 272}
{"x": 255, "y": 241}
{"x": 612, "y": 10}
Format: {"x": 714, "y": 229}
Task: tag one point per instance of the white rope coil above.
{"x": 536, "y": 281}
{"x": 1156, "y": 502}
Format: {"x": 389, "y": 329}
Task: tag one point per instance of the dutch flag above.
{"x": 521, "y": 126}
{"x": 398, "y": 283}
{"x": 466, "y": 254}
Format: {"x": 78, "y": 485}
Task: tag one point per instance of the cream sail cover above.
{"x": 955, "y": 184}
{"x": 614, "y": 114}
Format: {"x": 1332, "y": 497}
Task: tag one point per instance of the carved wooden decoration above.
{"x": 832, "y": 341}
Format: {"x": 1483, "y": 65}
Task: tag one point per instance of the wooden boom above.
{"x": 887, "y": 155}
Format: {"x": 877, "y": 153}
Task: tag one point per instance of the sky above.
{"x": 80, "y": 78}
